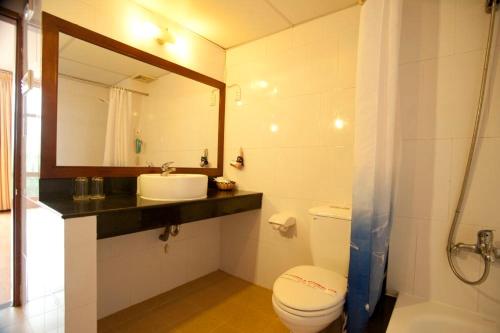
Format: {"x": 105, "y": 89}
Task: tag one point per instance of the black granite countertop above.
{"x": 116, "y": 203}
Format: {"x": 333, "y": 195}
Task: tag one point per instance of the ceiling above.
{"x": 230, "y": 23}
{"x": 83, "y": 60}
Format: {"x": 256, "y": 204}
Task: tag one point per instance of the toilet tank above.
{"x": 330, "y": 237}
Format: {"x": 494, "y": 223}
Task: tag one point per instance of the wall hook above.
{"x": 240, "y": 161}
{"x": 204, "y": 159}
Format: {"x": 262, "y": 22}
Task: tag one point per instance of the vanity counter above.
{"x": 121, "y": 214}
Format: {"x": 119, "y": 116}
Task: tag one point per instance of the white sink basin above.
{"x": 174, "y": 187}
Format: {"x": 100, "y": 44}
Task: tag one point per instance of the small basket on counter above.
{"x": 225, "y": 184}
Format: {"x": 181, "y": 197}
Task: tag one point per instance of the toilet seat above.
{"x": 306, "y": 314}
{"x": 310, "y": 291}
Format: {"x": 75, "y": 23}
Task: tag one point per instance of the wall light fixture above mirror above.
{"x": 112, "y": 110}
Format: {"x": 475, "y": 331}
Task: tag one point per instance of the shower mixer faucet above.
{"x": 484, "y": 246}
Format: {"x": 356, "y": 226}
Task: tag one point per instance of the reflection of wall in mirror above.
{"x": 178, "y": 122}
{"x": 81, "y": 122}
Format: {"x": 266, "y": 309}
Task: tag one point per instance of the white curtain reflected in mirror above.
{"x": 118, "y": 143}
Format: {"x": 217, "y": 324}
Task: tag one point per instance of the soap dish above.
{"x": 226, "y": 186}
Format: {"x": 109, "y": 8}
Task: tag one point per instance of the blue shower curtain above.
{"x": 376, "y": 104}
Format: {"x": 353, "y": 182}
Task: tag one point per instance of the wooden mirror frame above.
{"x": 51, "y": 27}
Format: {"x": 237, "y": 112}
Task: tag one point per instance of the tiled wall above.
{"x": 80, "y": 274}
{"x": 294, "y": 85}
{"x": 135, "y": 267}
{"x": 442, "y": 51}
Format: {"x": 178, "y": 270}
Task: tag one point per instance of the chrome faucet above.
{"x": 484, "y": 246}
{"x": 166, "y": 169}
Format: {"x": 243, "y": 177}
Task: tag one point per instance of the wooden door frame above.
{"x": 17, "y": 174}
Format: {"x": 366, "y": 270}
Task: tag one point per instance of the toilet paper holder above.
{"x": 282, "y": 221}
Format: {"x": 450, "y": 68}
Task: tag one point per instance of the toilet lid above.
{"x": 310, "y": 288}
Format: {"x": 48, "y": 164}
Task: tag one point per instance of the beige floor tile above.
{"x": 225, "y": 311}
{"x": 251, "y": 320}
{"x": 215, "y": 303}
{"x": 11, "y": 316}
{"x": 225, "y": 328}
{"x": 19, "y": 328}
{"x": 276, "y": 326}
{"x": 5, "y": 257}
{"x": 200, "y": 323}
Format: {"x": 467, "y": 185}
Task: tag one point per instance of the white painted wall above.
{"x": 294, "y": 85}
{"x": 442, "y": 50}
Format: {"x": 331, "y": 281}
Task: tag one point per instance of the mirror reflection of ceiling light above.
{"x": 274, "y": 128}
{"x": 260, "y": 84}
{"x": 339, "y": 123}
{"x": 263, "y": 84}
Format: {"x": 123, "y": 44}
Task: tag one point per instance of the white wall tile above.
{"x": 423, "y": 182}
{"x": 441, "y": 60}
{"x": 433, "y": 278}
{"x": 80, "y": 274}
{"x": 489, "y": 293}
{"x": 481, "y": 201}
{"x": 136, "y": 267}
{"x": 293, "y": 152}
{"x": 468, "y": 69}
{"x": 173, "y": 269}
{"x": 145, "y": 277}
{"x": 492, "y": 103}
{"x": 473, "y": 35}
{"x": 402, "y": 254}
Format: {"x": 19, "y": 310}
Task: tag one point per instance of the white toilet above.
{"x": 308, "y": 298}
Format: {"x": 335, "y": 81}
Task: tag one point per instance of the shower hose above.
{"x": 470, "y": 157}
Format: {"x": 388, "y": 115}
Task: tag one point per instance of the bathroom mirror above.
{"x": 112, "y": 110}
